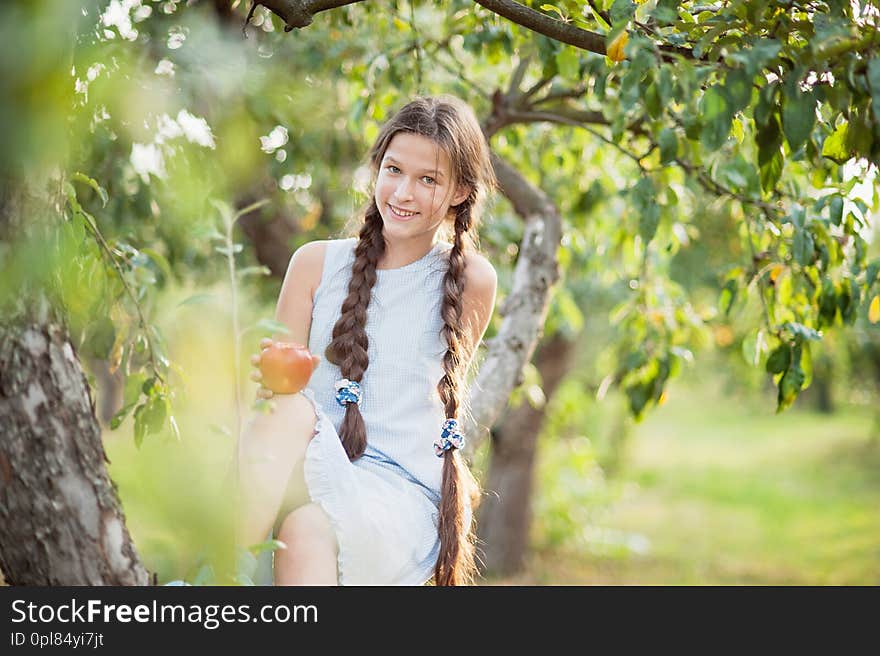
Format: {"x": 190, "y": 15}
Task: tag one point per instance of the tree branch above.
{"x": 525, "y": 307}
{"x": 538, "y": 22}
{"x": 297, "y": 13}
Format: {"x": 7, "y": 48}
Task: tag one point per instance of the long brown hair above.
{"x": 452, "y": 125}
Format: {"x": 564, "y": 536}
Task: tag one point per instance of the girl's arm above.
{"x": 303, "y": 276}
{"x": 478, "y": 302}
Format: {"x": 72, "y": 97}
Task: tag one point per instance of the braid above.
{"x": 348, "y": 346}
{"x": 455, "y": 564}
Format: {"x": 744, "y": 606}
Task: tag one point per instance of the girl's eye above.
{"x": 393, "y": 168}
{"x": 428, "y": 179}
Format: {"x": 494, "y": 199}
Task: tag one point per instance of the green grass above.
{"x": 720, "y": 490}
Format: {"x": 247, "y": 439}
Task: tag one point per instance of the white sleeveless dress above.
{"x": 384, "y": 505}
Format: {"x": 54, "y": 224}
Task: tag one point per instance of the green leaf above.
{"x": 81, "y": 177}
{"x": 770, "y": 159}
{"x": 160, "y": 261}
{"x": 759, "y": 54}
{"x": 100, "y": 338}
{"x": 803, "y": 247}
{"x": 205, "y": 576}
{"x": 764, "y": 108}
{"x": 225, "y": 210}
{"x": 874, "y": 86}
{"x": 728, "y": 295}
{"x": 798, "y": 117}
{"x": 738, "y": 85}
{"x": 665, "y": 11}
{"x": 254, "y": 271}
{"x": 835, "y": 147}
{"x": 134, "y": 384}
{"x": 140, "y": 425}
{"x": 568, "y": 63}
{"x": 835, "y": 209}
{"x": 771, "y": 171}
{"x": 653, "y": 102}
{"x": 668, "y": 145}
{"x": 622, "y": 11}
{"x": 779, "y": 359}
{"x": 268, "y": 545}
{"x": 715, "y": 108}
{"x": 555, "y": 9}
{"x": 225, "y": 250}
{"x": 848, "y": 300}
{"x": 273, "y": 326}
{"x": 789, "y": 385}
{"x": 801, "y": 332}
{"x": 871, "y": 273}
{"x": 197, "y": 299}
{"x": 753, "y": 347}
{"x": 645, "y": 201}
{"x": 827, "y": 303}
{"x": 806, "y": 362}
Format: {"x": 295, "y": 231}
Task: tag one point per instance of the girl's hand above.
{"x": 257, "y": 376}
{"x": 262, "y": 392}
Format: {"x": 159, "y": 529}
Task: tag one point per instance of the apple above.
{"x": 286, "y": 367}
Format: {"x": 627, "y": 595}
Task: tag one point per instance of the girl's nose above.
{"x": 404, "y": 190}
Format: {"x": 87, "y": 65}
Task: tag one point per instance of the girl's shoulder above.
{"x": 479, "y": 271}
{"x": 315, "y": 252}
{"x": 311, "y": 257}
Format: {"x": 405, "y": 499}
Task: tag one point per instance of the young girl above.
{"x": 360, "y": 474}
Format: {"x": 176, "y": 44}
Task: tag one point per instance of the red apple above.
{"x": 286, "y": 367}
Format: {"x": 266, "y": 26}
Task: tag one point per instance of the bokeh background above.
{"x": 702, "y": 404}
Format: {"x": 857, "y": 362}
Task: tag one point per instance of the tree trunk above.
{"x": 60, "y": 519}
{"x": 504, "y": 516}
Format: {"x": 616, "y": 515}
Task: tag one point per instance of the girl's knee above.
{"x": 292, "y": 414}
{"x": 307, "y": 526}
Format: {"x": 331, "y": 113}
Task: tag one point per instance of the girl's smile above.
{"x": 401, "y": 214}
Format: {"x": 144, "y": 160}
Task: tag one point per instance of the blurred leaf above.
{"x": 803, "y": 247}
{"x": 668, "y": 145}
{"x": 835, "y": 147}
{"x": 272, "y": 326}
{"x": 567, "y": 62}
{"x": 779, "y": 359}
{"x": 801, "y": 331}
{"x": 874, "y": 85}
{"x": 268, "y": 545}
{"x": 717, "y": 113}
{"x": 798, "y": 117}
{"x": 770, "y": 159}
{"x": 874, "y": 310}
{"x": 728, "y": 296}
{"x": 160, "y": 261}
{"x": 254, "y": 271}
{"x": 197, "y": 299}
{"x": 102, "y": 193}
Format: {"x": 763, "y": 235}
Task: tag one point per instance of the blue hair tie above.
{"x": 450, "y": 438}
{"x": 347, "y": 391}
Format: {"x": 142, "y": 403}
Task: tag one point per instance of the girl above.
{"x": 360, "y": 473}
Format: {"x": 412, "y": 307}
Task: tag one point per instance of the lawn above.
{"x": 720, "y": 490}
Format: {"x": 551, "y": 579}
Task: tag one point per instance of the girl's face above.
{"x": 414, "y": 188}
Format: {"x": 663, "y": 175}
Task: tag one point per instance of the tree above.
{"x": 757, "y": 107}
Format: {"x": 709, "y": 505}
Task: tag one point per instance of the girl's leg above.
{"x": 310, "y": 557}
{"x": 271, "y": 446}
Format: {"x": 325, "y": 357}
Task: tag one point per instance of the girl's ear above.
{"x": 461, "y": 193}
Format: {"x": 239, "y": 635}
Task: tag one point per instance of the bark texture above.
{"x": 504, "y": 517}
{"x": 524, "y": 310}
{"x": 61, "y": 522}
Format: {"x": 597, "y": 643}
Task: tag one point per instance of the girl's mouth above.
{"x": 402, "y": 215}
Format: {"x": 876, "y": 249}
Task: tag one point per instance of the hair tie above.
{"x": 347, "y": 391}
{"x": 450, "y": 438}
